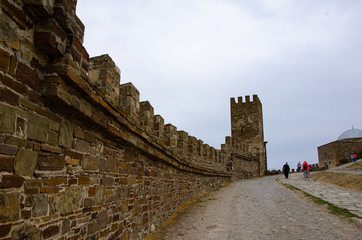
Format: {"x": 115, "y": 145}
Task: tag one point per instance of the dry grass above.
{"x": 350, "y": 181}
{"x": 356, "y": 166}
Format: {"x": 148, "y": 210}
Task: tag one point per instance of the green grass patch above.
{"x": 333, "y": 209}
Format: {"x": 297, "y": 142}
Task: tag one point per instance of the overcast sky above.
{"x": 189, "y": 57}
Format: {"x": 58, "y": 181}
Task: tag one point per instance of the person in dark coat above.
{"x": 286, "y": 170}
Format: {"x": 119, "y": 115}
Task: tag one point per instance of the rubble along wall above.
{"x": 80, "y": 156}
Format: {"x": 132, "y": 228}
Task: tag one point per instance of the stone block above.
{"x": 40, "y": 206}
{"x": 4, "y": 60}
{"x": 55, "y": 181}
{"x": 66, "y": 135}
{"x": 99, "y": 193}
{"x": 33, "y": 183}
{"x": 9, "y": 207}
{"x": 64, "y": 13}
{"x": 28, "y": 76}
{"x": 78, "y": 133}
{"x": 82, "y": 146}
{"x": 73, "y": 154}
{"x": 7, "y": 163}
{"x": 105, "y": 76}
{"x": 65, "y": 225}
{"x": 26, "y": 214}
{"x": 17, "y": 14}
{"x": 50, "y": 38}
{"x": 25, "y": 162}
{"x": 158, "y": 127}
{"x": 7, "y": 119}
{"x": 68, "y": 201}
{"x": 89, "y": 137}
{"x": 53, "y": 138}
{"x": 38, "y": 127}
{"x": 18, "y": 142}
{"x": 83, "y": 180}
{"x": 8, "y": 150}
{"x": 34, "y": 97}
{"x": 90, "y": 163}
{"x": 8, "y": 96}
{"x": 102, "y": 219}
{"x": 50, "y": 149}
{"x": 25, "y": 231}
{"x": 107, "y": 181}
{"x": 16, "y": 86}
{"x": 50, "y": 231}
{"x": 48, "y": 114}
{"x": 12, "y": 181}
{"x": 112, "y": 165}
{"x": 146, "y": 115}
{"x": 171, "y": 135}
{"x": 50, "y": 163}
{"x": 72, "y": 161}
{"x": 129, "y": 100}
{"x": 5, "y": 230}
{"x": 40, "y": 8}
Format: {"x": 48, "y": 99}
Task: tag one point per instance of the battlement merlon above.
{"x": 247, "y": 100}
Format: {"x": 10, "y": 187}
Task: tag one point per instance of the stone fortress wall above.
{"x": 80, "y": 155}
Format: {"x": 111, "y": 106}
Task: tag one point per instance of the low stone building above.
{"x": 339, "y": 152}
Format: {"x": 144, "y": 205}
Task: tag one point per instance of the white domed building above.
{"x": 339, "y": 152}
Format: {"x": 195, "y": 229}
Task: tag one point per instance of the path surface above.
{"x": 341, "y": 197}
{"x": 259, "y": 209}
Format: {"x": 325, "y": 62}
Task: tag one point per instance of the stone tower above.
{"x": 247, "y": 131}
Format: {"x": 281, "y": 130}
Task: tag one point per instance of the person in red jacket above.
{"x": 305, "y": 169}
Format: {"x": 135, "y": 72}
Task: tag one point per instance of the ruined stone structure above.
{"x": 80, "y": 155}
{"x": 339, "y": 152}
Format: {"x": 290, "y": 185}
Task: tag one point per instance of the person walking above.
{"x": 305, "y": 169}
{"x": 286, "y": 170}
{"x": 354, "y": 157}
{"x": 299, "y": 166}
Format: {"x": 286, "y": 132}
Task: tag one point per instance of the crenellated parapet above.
{"x": 80, "y": 156}
{"x": 105, "y": 76}
{"x": 146, "y": 116}
{"x": 171, "y": 136}
{"x": 129, "y": 101}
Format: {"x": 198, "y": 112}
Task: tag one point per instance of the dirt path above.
{"x": 258, "y": 209}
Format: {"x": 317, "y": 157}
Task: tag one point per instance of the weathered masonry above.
{"x": 80, "y": 156}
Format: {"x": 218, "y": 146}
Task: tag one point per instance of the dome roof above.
{"x": 351, "y": 133}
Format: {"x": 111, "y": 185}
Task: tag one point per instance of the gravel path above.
{"x": 258, "y": 209}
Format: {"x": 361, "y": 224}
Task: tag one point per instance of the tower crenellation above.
{"x": 247, "y": 133}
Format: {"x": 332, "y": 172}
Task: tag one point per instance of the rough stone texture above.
{"x": 80, "y": 156}
{"x": 11, "y": 181}
{"x": 339, "y": 152}
{"x": 38, "y": 127}
{"x": 7, "y": 119}
{"x": 247, "y": 137}
{"x": 25, "y": 231}
{"x": 9, "y": 207}
{"x": 25, "y": 162}
{"x": 69, "y": 200}
{"x": 65, "y": 135}
{"x": 40, "y": 206}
